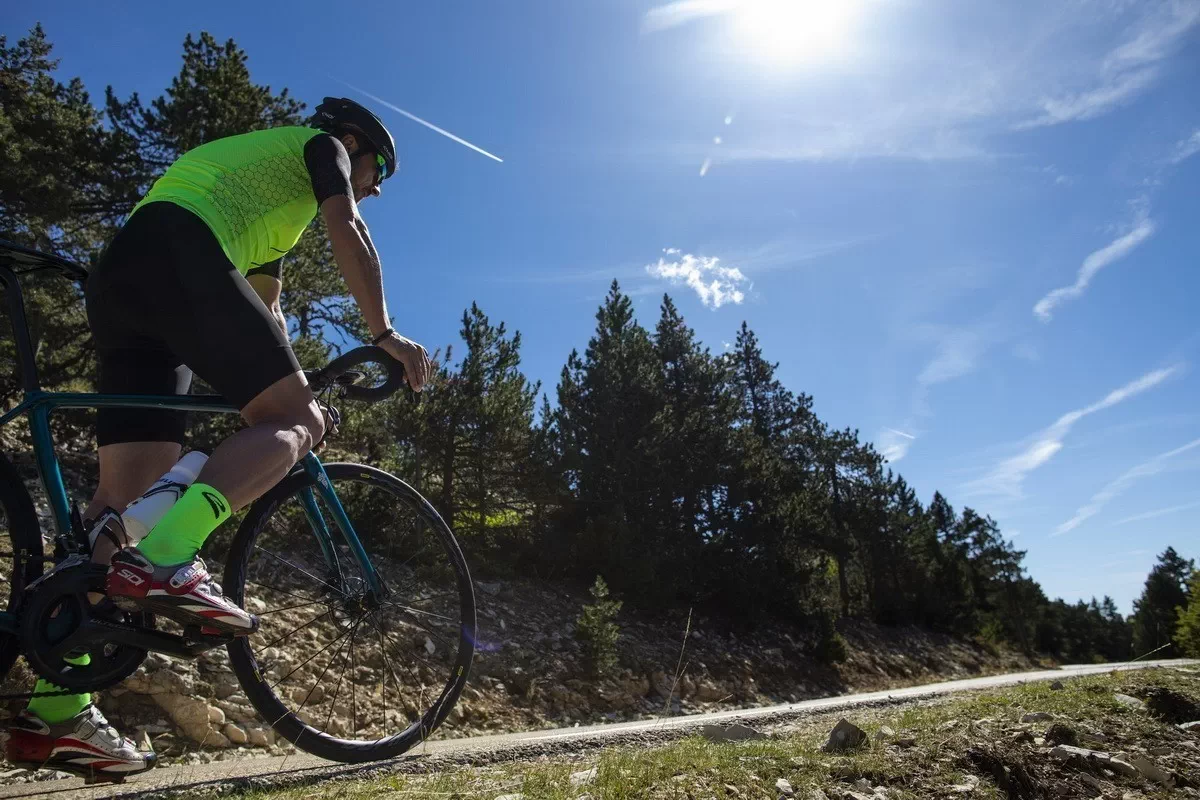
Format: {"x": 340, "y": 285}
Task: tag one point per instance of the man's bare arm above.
{"x": 357, "y": 259}
{"x": 269, "y": 289}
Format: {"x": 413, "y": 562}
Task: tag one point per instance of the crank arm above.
{"x": 95, "y": 634}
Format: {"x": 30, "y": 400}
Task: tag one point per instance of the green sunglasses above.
{"x": 380, "y": 169}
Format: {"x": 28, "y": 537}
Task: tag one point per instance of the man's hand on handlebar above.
{"x": 412, "y": 356}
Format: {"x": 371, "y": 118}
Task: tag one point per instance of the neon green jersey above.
{"x": 253, "y": 191}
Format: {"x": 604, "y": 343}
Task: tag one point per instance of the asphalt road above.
{"x": 306, "y": 769}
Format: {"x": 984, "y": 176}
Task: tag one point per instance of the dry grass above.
{"x": 957, "y": 742}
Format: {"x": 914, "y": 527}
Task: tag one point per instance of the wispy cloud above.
{"x": 894, "y": 444}
{"x": 1120, "y": 485}
{"x": 1158, "y": 512}
{"x": 1007, "y": 477}
{"x": 1127, "y": 70}
{"x": 952, "y": 91}
{"x": 1094, "y": 102}
{"x": 682, "y": 12}
{"x": 1186, "y": 148}
{"x": 1142, "y": 229}
{"x": 956, "y": 355}
{"x": 714, "y": 284}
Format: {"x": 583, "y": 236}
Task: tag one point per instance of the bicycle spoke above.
{"x": 420, "y": 683}
{"x": 432, "y": 632}
{"x": 277, "y": 589}
{"x": 285, "y": 562}
{"x": 353, "y": 696}
{"x": 433, "y": 597}
{"x": 324, "y": 613}
{"x": 310, "y": 658}
{"x": 321, "y": 677}
{"x": 289, "y": 608}
{"x": 342, "y": 675}
{"x": 383, "y": 651}
{"x": 417, "y": 611}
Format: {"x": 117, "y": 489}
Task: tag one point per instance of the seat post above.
{"x": 16, "y": 312}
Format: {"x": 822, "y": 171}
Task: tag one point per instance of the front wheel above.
{"x": 344, "y": 672}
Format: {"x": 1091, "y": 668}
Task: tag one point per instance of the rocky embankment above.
{"x": 529, "y": 673}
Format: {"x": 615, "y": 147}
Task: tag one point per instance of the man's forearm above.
{"x": 359, "y": 263}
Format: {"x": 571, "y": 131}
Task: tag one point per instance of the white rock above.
{"x": 235, "y": 733}
{"x": 261, "y": 737}
{"x": 1190, "y": 726}
{"x": 1083, "y": 757}
{"x": 1152, "y": 771}
{"x": 970, "y": 783}
{"x": 216, "y": 716}
{"x": 1130, "y": 702}
{"x": 818, "y": 794}
{"x": 884, "y": 734}
{"x": 583, "y": 778}
{"x": 430, "y": 647}
{"x": 517, "y": 796}
{"x": 784, "y": 787}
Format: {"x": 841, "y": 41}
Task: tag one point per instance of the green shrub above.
{"x": 830, "y": 647}
{"x": 596, "y": 631}
{"x": 1187, "y": 631}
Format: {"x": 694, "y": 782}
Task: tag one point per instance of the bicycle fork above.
{"x": 325, "y": 537}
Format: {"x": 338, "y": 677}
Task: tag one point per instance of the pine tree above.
{"x": 59, "y": 168}
{"x": 1187, "y": 630}
{"x": 1155, "y": 613}
{"x": 607, "y": 403}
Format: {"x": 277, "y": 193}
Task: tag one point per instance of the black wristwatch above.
{"x": 383, "y": 336}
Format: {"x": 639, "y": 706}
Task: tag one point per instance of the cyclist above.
{"x": 192, "y": 282}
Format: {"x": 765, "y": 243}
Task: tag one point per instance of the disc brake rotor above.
{"x": 59, "y": 624}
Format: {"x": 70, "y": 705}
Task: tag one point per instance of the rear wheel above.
{"x": 20, "y": 553}
{"x": 340, "y": 671}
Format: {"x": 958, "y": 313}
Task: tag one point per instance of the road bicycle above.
{"x": 366, "y": 605}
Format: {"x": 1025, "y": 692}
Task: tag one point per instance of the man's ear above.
{"x": 350, "y": 143}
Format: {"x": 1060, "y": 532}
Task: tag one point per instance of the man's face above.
{"x": 364, "y": 171}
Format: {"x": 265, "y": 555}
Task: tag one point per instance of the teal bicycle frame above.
{"x": 37, "y": 405}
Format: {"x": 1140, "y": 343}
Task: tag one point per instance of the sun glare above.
{"x": 789, "y": 32}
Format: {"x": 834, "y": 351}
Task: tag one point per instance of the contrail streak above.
{"x": 426, "y": 123}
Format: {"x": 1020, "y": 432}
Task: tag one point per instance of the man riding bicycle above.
{"x": 192, "y": 283}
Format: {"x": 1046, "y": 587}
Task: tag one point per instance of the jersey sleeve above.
{"x": 272, "y": 268}
{"x": 328, "y": 168}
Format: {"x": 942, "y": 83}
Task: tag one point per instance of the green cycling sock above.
{"x": 181, "y": 532}
{"x": 53, "y": 710}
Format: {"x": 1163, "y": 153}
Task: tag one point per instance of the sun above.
{"x": 790, "y": 32}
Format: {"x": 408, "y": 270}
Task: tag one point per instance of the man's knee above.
{"x": 313, "y": 425}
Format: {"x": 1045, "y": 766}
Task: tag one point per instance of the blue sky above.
{"x": 969, "y": 230}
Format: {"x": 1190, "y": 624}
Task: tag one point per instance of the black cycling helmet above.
{"x": 340, "y": 113}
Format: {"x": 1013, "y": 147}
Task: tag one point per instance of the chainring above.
{"x": 57, "y": 608}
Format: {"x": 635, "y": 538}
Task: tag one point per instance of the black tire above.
{"x": 20, "y": 551}
{"x": 255, "y": 679}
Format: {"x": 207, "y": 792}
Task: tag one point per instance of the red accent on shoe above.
{"x": 128, "y": 577}
{"x": 29, "y": 747}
